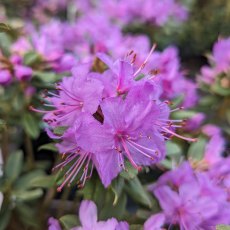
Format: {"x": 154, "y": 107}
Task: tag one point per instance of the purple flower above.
{"x": 114, "y": 117}
{"x": 23, "y": 73}
{"x": 5, "y": 77}
{"x": 155, "y": 222}
{"x": 214, "y": 150}
{"x": 88, "y": 219}
{"x": 221, "y": 55}
{"x": 189, "y": 201}
{"x": 53, "y": 224}
{"x": 195, "y": 121}
{"x": 80, "y": 93}
{"x": 219, "y": 61}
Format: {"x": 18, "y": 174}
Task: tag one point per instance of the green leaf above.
{"x": 49, "y": 147}
{"x": 108, "y": 210}
{"x": 177, "y": 101}
{"x": 5, "y": 215}
{"x": 28, "y": 195}
{"x": 183, "y": 114}
{"x": 117, "y": 187}
{"x": 25, "y": 181}
{"x": 4, "y": 27}
{"x": 47, "y": 77}
{"x": 130, "y": 171}
{"x": 135, "y": 189}
{"x": 167, "y": 163}
{"x": 27, "y": 215}
{"x": 173, "y": 148}
{"x": 31, "y": 125}
{"x": 59, "y": 131}
{"x": 223, "y": 227}
{"x": 196, "y": 150}
{"x": 217, "y": 88}
{"x": 208, "y": 100}
{"x": 31, "y": 57}
{"x": 69, "y": 221}
{"x": 14, "y": 165}
{"x": 43, "y": 182}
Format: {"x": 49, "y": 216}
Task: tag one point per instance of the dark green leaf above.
{"x": 117, "y": 187}
{"x": 31, "y": 125}
{"x": 30, "y": 58}
{"x": 69, "y": 221}
{"x": 109, "y": 210}
{"x": 5, "y": 215}
{"x": 24, "y": 181}
{"x": 14, "y": 165}
{"x": 47, "y": 77}
{"x": 49, "y": 146}
{"x": 135, "y": 189}
{"x": 27, "y": 215}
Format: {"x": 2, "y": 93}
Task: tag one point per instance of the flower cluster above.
{"x": 13, "y": 68}
{"x": 124, "y": 12}
{"x": 186, "y": 198}
{"x": 186, "y": 193}
{"x": 220, "y": 64}
{"x": 110, "y": 117}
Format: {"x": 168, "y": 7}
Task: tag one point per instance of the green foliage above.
{"x": 196, "y": 150}
{"x": 69, "y": 221}
{"x": 222, "y": 227}
{"x": 31, "y": 125}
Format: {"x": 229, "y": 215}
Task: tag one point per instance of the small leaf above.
{"x": 49, "y": 146}
{"x": 5, "y": 215}
{"x": 167, "y": 163}
{"x": 28, "y": 195}
{"x": 27, "y": 215}
{"x": 108, "y": 210}
{"x": 59, "y": 131}
{"x": 43, "y": 182}
{"x": 31, "y": 57}
{"x": 196, "y": 150}
{"x": 117, "y": 187}
{"x": 31, "y": 125}
{"x": 69, "y": 221}
{"x": 47, "y": 77}
{"x": 135, "y": 189}
{"x": 24, "y": 182}
{"x": 184, "y": 114}
{"x": 172, "y": 148}
{"x": 14, "y": 165}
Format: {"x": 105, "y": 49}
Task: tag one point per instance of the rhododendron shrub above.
{"x": 106, "y": 122}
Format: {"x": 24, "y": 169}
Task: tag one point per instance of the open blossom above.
{"x": 88, "y": 219}
{"x": 189, "y": 202}
{"x": 111, "y": 117}
{"x": 219, "y": 62}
